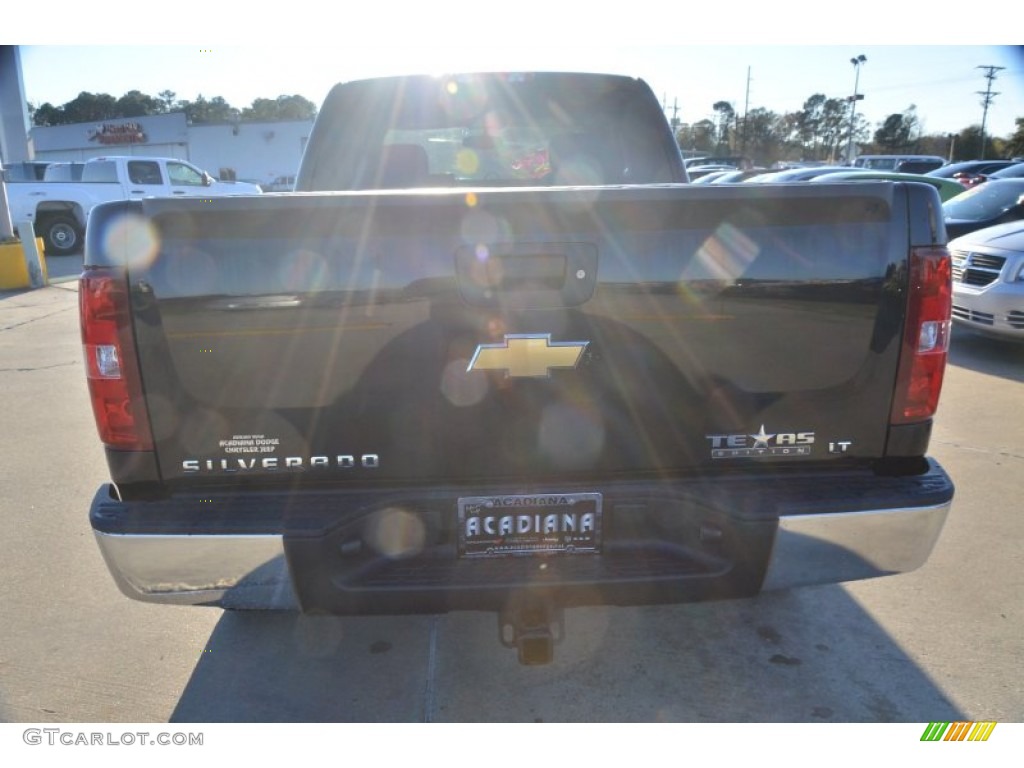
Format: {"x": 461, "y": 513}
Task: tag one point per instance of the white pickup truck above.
{"x": 59, "y": 211}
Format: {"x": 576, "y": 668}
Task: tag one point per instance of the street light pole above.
{"x": 856, "y": 61}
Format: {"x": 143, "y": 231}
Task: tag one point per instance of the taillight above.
{"x": 925, "y": 336}
{"x": 115, "y": 383}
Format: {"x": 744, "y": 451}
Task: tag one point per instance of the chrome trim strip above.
{"x": 832, "y": 548}
{"x": 230, "y": 571}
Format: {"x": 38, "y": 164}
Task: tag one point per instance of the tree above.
{"x": 809, "y": 124}
{"x": 89, "y": 108}
{"x": 898, "y": 132}
{"x": 817, "y": 130}
{"x": 94, "y": 108}
{"x": 215, "y": 110}
{"x": 935, "y": 144}
{"x": 788, "y": 131}
{"x": 698, "y": 137}
{"x": 1015, "y": 143}
{"x": 762, "y": 135}
{"x": 46, "y": 114}
{"x": 834, "y": 126}
{"x": 167, "y": 100}
{"x": 726, "y": 119}
{"x": 702, "y": 136}
{"x": 893, "y": 135}
{"x": 138, "y": 104}
{"x": 293, "y": 107}
{"x": 968, "y": 144}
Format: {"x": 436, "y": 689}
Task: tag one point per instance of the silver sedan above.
{"x": 988, "y": 280}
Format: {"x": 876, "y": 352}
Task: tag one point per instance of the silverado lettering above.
{"x": 689, "y": 392}
{"x": 366, "y": 461}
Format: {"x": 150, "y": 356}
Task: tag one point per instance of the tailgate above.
{"x": 463, "y": 337}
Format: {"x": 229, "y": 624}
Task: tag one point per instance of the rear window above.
{"x": 64, "y": 172}
{"x": 504, "y": 130}
{"x": 102, "y": 171}
{"x": 985, "y": 201}
{"x": 918, "y": 166}
{"x": 144, "y": 172}
{"x": 877, "y": 163}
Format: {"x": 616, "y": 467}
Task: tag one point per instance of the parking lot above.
{"x": 943, "y": 643}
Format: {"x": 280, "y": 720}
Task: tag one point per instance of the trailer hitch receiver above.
{"x": 532, "y": 626}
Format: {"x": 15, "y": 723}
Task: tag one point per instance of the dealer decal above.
{"x": 250, "y": 444}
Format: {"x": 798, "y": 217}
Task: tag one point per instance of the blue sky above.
{"x": 942, "y": 81}
{"x": 693, "y": 56}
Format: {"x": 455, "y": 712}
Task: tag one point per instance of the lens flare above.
{"x": 467, "y": 162}
{"x": 395, "y": 532}
{"x": 726, "y": 255}
{"x": 460, "y": 387}
{"x": 482, "y": 227}
{"x": 302, "y": 270}
{"x": 131, "y": 241}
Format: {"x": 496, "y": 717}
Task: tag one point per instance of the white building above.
{"x": 259, "y": 151}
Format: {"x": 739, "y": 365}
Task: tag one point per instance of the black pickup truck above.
{"x": 494, "y": 353}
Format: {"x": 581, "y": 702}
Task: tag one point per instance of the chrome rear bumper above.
{"x": 230, "y": 571}
{"x": 251, "y": 571}
{"x": 832, "y": 548}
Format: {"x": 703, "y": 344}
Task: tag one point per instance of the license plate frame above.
{"x": 529, "y": 525}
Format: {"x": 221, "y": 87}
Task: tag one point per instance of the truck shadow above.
{"x": 807, "y": 655}
{"x": 986, "y": 355}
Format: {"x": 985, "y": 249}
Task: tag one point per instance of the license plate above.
{"x": 537, "y": 524}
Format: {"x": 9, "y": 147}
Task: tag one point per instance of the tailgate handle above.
{"x": 527, "y": 275}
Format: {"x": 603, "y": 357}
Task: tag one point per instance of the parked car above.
{"x": 734, "y": 177}
{"x": 1015, "y": 171}
{"x": 704, "y": 176}
{"x": 947, "y": 188}
{"x": 919, "y": 166}
{"x": 901, "y": 163}
{"x": 731, "y": 161}
{"x": 787, "y": 165}
{"x": 59, "y": 210}
{"x": 988, "y": 281}
{"x": 279, "y": 184}
{"x": 995, "y": 202}
{"x": 63, "y": 172}
{"x": 968, "y": 171}
{"x": 798, "y": 174}
{"x": 699, "y": 171}
{"x": 29, "y": 170}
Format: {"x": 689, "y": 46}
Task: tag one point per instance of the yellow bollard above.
{"x": 14, "y": 269}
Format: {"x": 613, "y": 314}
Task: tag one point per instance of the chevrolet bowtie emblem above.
{"x": 527, "y": 355}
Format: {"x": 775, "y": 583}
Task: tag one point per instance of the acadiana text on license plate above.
{"x": 541, "y": 523}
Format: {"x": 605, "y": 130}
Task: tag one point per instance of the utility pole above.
{"x": 857, "y": 62}
{"x": 674, "y": 120}
{"x": 986, "y": 100}
{"x": 746, "y": 108}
